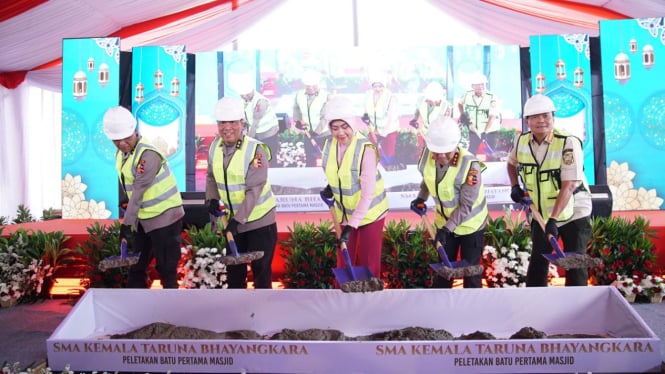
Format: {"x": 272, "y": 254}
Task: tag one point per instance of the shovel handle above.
{"x": 229, "y": 237}
{"x": 553, "y": 241}
{"x": 439, "y": 247}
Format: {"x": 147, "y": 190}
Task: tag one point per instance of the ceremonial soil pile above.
{"x": 160, "y": 330}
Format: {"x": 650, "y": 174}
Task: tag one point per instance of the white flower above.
{"x": 204, "y": 270}
{"x": 72, "y": 186}
{"x": 98, "y": 209}
{"x": 619, "y": 173}
{"x": 653, "y": 285}
{"x": 75, "y": 207}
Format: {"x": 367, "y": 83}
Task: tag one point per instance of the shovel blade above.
{"x": 453, "y": 265}
{"x": 352, "y": 273}
{"x": 552, "y": 257}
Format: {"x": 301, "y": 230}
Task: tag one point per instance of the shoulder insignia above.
{"x": 140, "y": 168}
{"x": 257, "y": 162}
{"x": 455, "y": 159}
{"x": 472, "y": 177}
{"x": 239, "y": 143}
{"x": 568, "y": 158}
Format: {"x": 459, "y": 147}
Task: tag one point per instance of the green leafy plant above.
{"x": 406, "y": 150}
{"x": 624, "y": 247}
{"x": 23, "y": 215}
{"x": 406, "y": 256}
{"x": 3, "y": 220}
{"x": 103, "y": 241}
{"x": 309, "y": 256}
{"x": 199, "y": 265}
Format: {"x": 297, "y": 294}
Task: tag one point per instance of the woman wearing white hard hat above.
{"x": 382, "y": 119}
{"x": 452, "y": 176}
{"x": 550, "y": 164}
{"x": 152, "y": 204}
{"x": 478, "y": 114}
{"x": 260, "y": 118}
{"x": 350, "y": 164}
{"x": 238, "y": 176}
{"x": 308, "y": 114}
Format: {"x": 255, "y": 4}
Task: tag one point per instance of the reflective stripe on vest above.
{"x": 430, "y": 113}
{"x": 345, "y": 179}
{"x": 543, "y": 181}
{"x": 378, "y": 112}
{"x": 479, "y": 112}
{"x": 268, "y": 121}
{"x": 311, "y": 113}
{"x": 231, "y": 182}
{"x": 161, "y": 195}
{"x": 447, "y": 192}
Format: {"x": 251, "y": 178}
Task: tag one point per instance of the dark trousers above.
{"x": 262, "y": 239}
{"x": 475, "y": 141}
{"x": 163, "y": 245}
{"x": 313, "y": 147}
{"x": 575, "y": 235}
{"x": 470, "y": 248}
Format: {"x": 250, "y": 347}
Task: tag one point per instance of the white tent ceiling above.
{"x": 32, "y": 39}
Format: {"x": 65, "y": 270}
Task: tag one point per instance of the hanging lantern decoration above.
{"x": 632, "y": 45}
{"x": 560, "y": 69}
{"x": 159, "y": 79}
{"x": 91, "y": 64}
{"x": 540, "y": 83}
{"x": 578, "y": 77}
{"x": 103, "y": 75}
{"x": 648, "y": 56}
{"x": 621, "y": 68}
{"x": 80, "y": 85}
{"x": 139, "y": 93}
{"x": 175, "y": 87}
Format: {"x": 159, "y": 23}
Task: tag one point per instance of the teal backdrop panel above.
{"x": 90, "y": 85}
{"x": 560, "y": 69}
{"x": 159, "y": 101}
{"x": 634, "y": 98}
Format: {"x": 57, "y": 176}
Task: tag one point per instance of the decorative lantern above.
{"x": 175, "y": 87}
{"x": 103, "y": 75}
{"x": 159, "y": 80}
{"x": 91, "y": 64}
{"x": 648, "y": 56}
{"x": 139, "y": 92}
{"x": 560, "y": 69}
{"x": 80, "y": 85}
{"x": 540, "y": 83}
{"x": 632, "y": 45}
{"x": 578, "y": 77}
{"x": 621, "y": 68}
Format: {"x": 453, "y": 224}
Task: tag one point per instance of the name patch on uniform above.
{"x": 568, "y": 157}
{"x": 258, "y": 161}
{"x": 140, "y": 168}
{"x": 472, "y": 177}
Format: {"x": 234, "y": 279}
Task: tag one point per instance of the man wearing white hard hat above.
{"x": 452, "y": 177}
{"x": 238, "y": 176}
{"x": 431, "y": 106}
{"x": 478, "y": 114}
{"x": 260, "y": 118}
{"x": 308, "y": 114}
{"x": 550, "y": 164}
{"x": 350, "y": 164}
{"x": 153, "y": 212}
{"x": 382, "y": 119}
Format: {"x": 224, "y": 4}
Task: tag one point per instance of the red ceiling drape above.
{"x": 12, "y": 8}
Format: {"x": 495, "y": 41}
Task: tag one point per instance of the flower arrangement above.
{"x": 12, "y": 278}
{"x": 309, "y": 256}
{"x": 204, "y": 269}
{"x": 406, "y": 256}
{"x": 653, "y": 287}
{"x": 628, "y": 287}
{"x": 507, "y": 251}
{"x": 624, "y": 247}
{"x": 103, "y": 241}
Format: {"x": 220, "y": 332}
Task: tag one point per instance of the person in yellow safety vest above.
{"x": 308, "y": 115}
{"x": 431, "y": 106}
{"x": 354, "y": 181}
{"x": 238, "y": 175}
{"x": 382, "y": 120}
{"x": 478, "y": 114}
{"x": 153, "y": 211}
{"x": 550, "y": 163}
{"x": 260, "y": 118}
{"x": 452, "y": 177}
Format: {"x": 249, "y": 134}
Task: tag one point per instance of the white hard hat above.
{"x": 479, "y": 78}
{"x": 311, "y": 78}
{"x": 434, "y": 91}
{"x": 229, "y": 109}
{"x": 538, "y": 104}
{"x": 245, "y": 87}
{"x": 443, "y": 135}
{"x": 340, "y": 107}
{"x": 119, "y": 123}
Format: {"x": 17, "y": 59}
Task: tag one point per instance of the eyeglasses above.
{"x": 343, "y": 126}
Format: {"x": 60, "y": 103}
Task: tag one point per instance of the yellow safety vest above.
{"x": 267, "y": 123}
{"x": 430, "y": 113}
{"x": 344, "y": 179}
{"x": 543, "y": 182}
{"x": 446, "y": 193}
{"x": 311, "y": 114}
{"x": 378, "y": 112}
{"x": 163, "y": 192}
{"x": 479, "y": 112}
{"x": 231, "y": 182}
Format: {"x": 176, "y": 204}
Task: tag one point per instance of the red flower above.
{"x": 638, "y": 252}
{"x": 606, "y": 251}
{"x": 611, "y": 276}
{"x": 622, "y": 248}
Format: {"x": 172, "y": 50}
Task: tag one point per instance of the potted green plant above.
{"x": 406, "y": 256}
{"x": 309, "y": 256}
{"x": 200, "y": 265}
